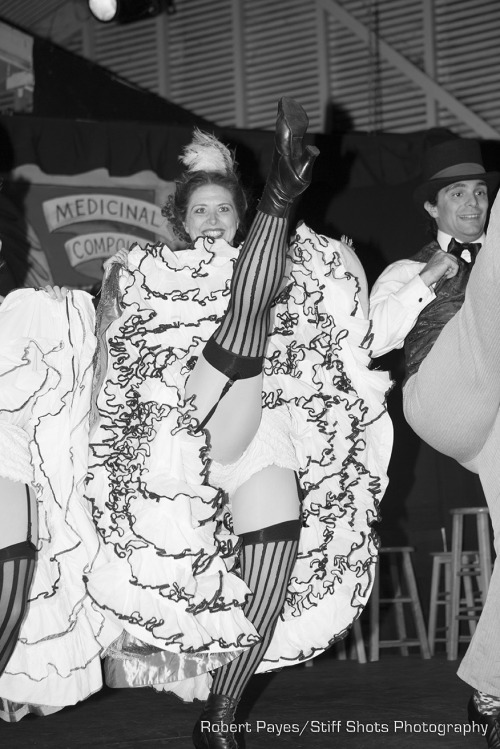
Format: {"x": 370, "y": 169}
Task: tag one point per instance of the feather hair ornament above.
{"x": 206, "y": 153}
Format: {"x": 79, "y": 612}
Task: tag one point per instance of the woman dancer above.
{"x": 51, "y": 636}
{"x": 17, "y": 499}
{"x": 194, "y": 455}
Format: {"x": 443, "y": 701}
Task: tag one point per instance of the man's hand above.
{"x": 58, "y": 293}
{"x": 441, "y": 265}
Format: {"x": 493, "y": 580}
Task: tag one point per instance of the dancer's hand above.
{"x": 442, "y": 265}
{"x": 59, "y": 293}
{"x": 121, "y": 256}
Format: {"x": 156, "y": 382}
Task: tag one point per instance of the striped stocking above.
{"x": 17, "y": 564}
{"x": 267, "y": 558}
{"x": 237, "y": 347}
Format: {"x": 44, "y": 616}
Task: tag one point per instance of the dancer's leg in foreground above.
{"x": 266, "y": 507}
{"x": 17, "y": 563}
{"x": 453, "y": 404}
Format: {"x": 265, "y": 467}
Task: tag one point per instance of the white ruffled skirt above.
{"x": 166, "y": 571}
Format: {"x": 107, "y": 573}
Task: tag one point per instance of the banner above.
{"x": 59, "y": 229}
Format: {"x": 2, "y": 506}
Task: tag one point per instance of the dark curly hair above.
{"x": 175, "y": 209}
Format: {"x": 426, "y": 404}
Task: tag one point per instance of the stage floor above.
{"x": 403, "y": 702}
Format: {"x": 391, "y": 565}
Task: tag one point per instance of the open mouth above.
{"x": 213, "y": 233}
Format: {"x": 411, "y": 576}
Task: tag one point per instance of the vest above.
{"x": 449, "y": 299}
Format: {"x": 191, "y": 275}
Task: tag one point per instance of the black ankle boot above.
{"x": 491, "y": 722}
{"x": 291, "y": 166}
{"x": 211, "y": 730}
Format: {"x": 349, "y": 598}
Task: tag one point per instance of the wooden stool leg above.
{"x": 447, "y": 588}
{"x": 455, "y": 592}
{"x": 341, "y": 650}
{"x": 398, "y": 606}
{"x": 375, "y": 616}
{"x": 415, "y": 604}
{"x": 469, "y": 595}
{"x": 433, "y": 603}
{"x": 359, "y": 642}
{"x": 483, "y": 533}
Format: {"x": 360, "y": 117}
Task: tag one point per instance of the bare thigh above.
{"x": 14, "y": 513}
{"x": 237, "y": 416}
{"x": 267, "y": 498}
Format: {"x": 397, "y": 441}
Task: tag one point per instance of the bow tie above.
{"x": 456, "y": 248}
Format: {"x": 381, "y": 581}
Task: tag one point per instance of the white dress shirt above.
{"x": 398, "y": 297}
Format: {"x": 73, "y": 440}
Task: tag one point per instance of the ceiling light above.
{"x": 124, "y": 11}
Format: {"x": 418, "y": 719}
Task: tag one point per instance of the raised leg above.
{"x": 235, "y": 353}
{"x": 452, "y": 402}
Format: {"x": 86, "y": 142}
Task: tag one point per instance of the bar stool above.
{"x": 404, "y": 591}
{"x": 440, "y": 595}
{"x": 462, "y": 570}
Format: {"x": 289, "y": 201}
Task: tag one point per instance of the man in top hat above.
{"x": 443, "y": 305}
{"x": 454, "y": 196}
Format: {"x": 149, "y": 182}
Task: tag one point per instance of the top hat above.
{"x": 452, "y": 161}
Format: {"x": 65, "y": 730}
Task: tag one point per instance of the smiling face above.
{"x": 211, "y": 212}
{"x": 461, "y": 209}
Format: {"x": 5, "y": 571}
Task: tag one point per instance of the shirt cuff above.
{"x": 415, "y": 294}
